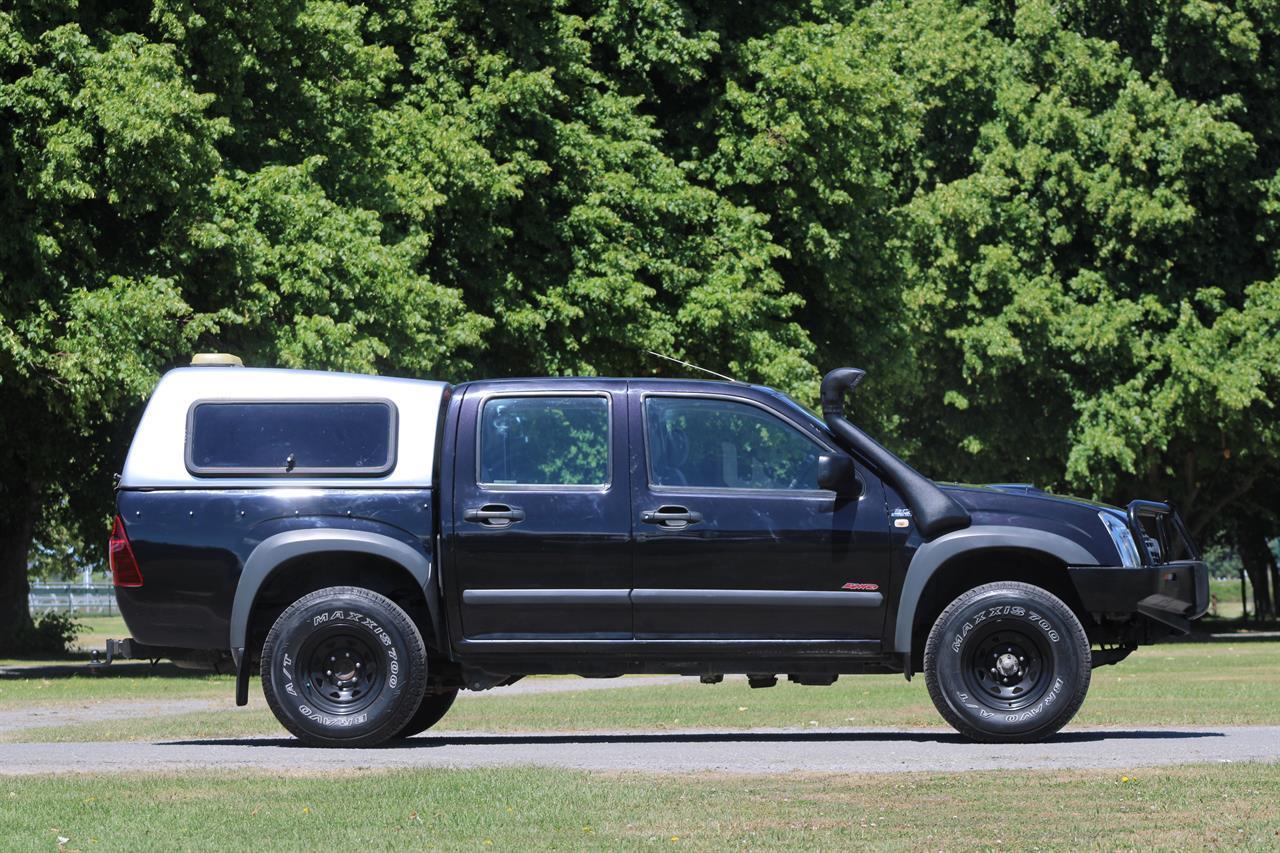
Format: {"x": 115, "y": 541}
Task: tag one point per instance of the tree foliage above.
{"x": 1048, "y": 230}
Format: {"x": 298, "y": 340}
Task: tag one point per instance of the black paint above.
{"x": 623, "y": 576}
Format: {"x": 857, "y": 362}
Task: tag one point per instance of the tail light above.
{"x": 124, "y": 566}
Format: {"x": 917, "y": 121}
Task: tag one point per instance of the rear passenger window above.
{"x": 293, "y": 438}
{"x": 544, "y": 441}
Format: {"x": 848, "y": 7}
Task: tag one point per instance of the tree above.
{"x": 135, "y": 241}
{"x": 1047, "y": 232}
{"x": 1100, "y": 228}
{"x": 1047, "y": 229}
{"x": 413, "y": 188}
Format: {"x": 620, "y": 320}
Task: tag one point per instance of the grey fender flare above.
{"x": 276, "y": 550}
{"x": 931, "y": 556}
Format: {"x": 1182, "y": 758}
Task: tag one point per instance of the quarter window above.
{"x": 291, "y": 438}
{"x": 722, "y": 444}
{"x": 545, "y": 441}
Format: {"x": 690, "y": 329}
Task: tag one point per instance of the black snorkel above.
{"x": 933, "y": 511}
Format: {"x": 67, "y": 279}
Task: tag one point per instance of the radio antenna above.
{"x": 694, "y": 366}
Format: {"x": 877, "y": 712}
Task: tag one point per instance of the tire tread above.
{"x": 1055, "y": 723}
{"x": 416, "y": 682}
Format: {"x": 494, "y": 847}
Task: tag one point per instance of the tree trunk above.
{"x": 1256, "y": 557}
{"x": 1275, "y": 582}
{"x": 1274, "y": 571}
{"x": 19, "y": 511}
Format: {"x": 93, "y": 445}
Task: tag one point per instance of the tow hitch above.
{"x": 115, "y": 650}
{"x": 130, "y": 649}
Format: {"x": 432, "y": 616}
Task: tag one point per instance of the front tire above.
{"x": 344, "y": 666}
{"x": 1007, "y": 662}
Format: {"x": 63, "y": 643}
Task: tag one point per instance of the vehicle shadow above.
{"x": 19, "y": 672}
{"x": 557, "y": 738}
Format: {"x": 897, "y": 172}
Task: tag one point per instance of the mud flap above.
{"x": 242, "y": 676}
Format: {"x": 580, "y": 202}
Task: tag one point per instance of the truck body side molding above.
{"x": 760, "y": 597}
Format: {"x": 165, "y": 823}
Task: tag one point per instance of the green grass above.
{"x": 96, "y": 631}
{"x": 1228, "y": 601}
{"x": 139, "y": 681}
{"x": 1174, "y": 808}
{"x": 1176, "y": 684}
{"x": 64, "y": 684}
{"x": 99, "y": 629}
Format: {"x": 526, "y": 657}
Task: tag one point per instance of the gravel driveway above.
{"x": 755, "y": 751}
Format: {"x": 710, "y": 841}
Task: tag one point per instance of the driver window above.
{"x": 722, "y": 444}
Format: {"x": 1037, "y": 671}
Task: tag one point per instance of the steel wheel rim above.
{"x": 1006, "y": 667}
{"x": 342, "y": 670}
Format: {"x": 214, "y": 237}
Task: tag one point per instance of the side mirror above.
{"x": 835, "y": 472}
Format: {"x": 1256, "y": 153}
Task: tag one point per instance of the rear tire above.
{"x": 432, "y": 710}
{"x": 344, "y": 666}
{"x": 1007, "y": 662}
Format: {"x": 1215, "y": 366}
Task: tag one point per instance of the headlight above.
{"x": 1123, "y": 539}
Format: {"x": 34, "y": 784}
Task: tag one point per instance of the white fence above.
{"x": 86, "y": 598}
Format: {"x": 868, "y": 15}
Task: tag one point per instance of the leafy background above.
{"x": 1048, "y": 230}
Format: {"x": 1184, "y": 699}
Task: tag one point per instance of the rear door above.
{"x": 541, "y": 506}
{"x": 734, "y": 539}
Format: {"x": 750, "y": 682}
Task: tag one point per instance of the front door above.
{"x": 734, "y": 539}
{"x": 541, "y": 512}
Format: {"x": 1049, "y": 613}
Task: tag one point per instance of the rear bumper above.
{"x": 158, "y": 616}
{"x": 1172, "y": 594}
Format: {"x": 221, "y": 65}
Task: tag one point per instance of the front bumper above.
{"x": 1172, "y": 594}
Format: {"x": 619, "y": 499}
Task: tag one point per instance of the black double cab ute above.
{"x": 371, "y": 546}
